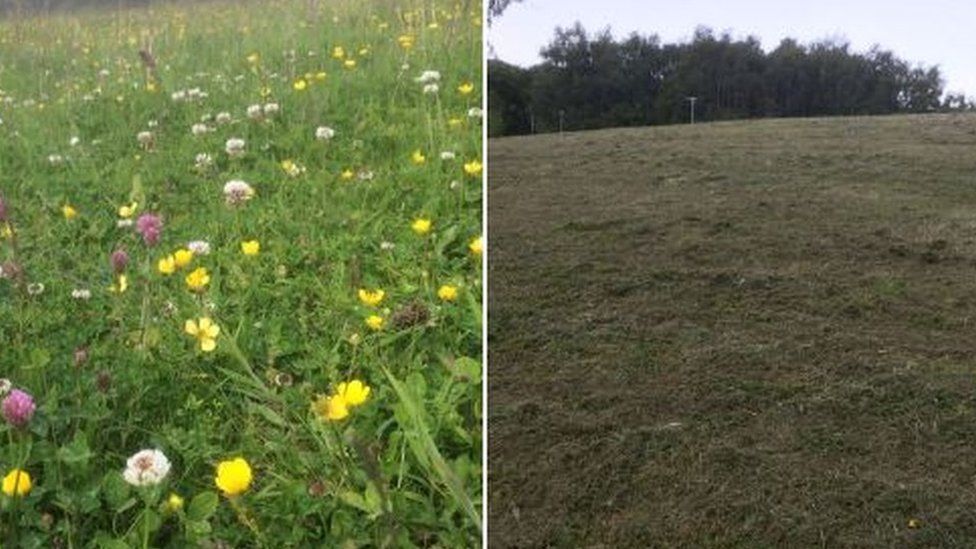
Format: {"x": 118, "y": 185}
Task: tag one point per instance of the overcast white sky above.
{"x": 933, "y": 32}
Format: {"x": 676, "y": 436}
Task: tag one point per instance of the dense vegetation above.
{"x": 240, "y": 276}
{"x": 596, "y": 81}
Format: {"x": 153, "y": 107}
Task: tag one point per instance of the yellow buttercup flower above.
{"x": 320, "y": 76}
{"x": 455, "y": 122}
{"x": 6, "y": 231}
{"x": 421, "y": 226}
{"x": 447, "y": 292}
{"x": 167, "y": 265}
{"x": 205, "y": 331}
{"x": 182, "y": 258}
{"x": 254, "y": 58}
{"x": 300, "y": 84}
{"x": 250, "y": 247}
{"x": 476, "y": 245}
{"x": 338, "y": 52}
{"x": 354, "y": 392}
{"x": 473, "y": 168}
{"x": 349, "y": 63}
{"x": 174, "y": 503}
{"x": 69, "y": 211}
{"x": 418, "y": 157}
{"x": 375, "y": 322}
{"x": 466, "y": 88}
{"x": 371, "y": 297}
{"x": 233, "y": 476}
{"x": 346, "y": 175}
{"x": 17, "y": 483}
{"x": 406, "y": 41}
{"x": 129, "y": 210}
{"x": 120, "y": 285}
{"x": 331, "y": 408}
{"x": 198, "y": 279}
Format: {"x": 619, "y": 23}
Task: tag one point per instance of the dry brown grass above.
{"x": 749, "y": 334}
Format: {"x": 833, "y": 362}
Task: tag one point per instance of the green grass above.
{"x": 404, "y": 468}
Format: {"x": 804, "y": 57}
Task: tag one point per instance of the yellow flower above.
{"x": 418, "y": 157}
{"x": 320, "y": 76}
{"x": 375, "y": 322}
{"x": 151, "y": 87}
{"x": 465, "y": 88}
{"x": 331, "y": 408}
{"x": 120, "y": 285}
{"x": 6, "y": 231}
{"x": 421, "y": 226}
{"x": 198, "y": 279}
{"x": 371, "y": 298}
{"x": 347, "y": 175}
{"x": 17, "y": 483}
{"x": 405, "y": 41}
{"x": 167, "y": 265}
{"x": 447, "y": 292}
{"x": 233, "y": 476}
{"x": 455, "y": 122}
{"x": 354, "y": 392}
{"x": 182, "y": 258}
{"x": 174, "y": 503}
{"x": 476, "y": 245}
{"x": 205, "y": 331}
{"x": 250, "y": 247}
{"x": 300, "y": 84}
{"x": 349, "y": 63}
{"x": 127, "y": 211}
{"x": 69, "y": 212}
{"x": 254, "y": 58}
{"x": 338, "y": 52}
{"x": 473, "y": 168}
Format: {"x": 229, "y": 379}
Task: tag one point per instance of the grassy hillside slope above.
{"x": 747, "y": 334}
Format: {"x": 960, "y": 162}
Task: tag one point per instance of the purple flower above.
{"x": 119, "y": 260}
{"x": 18, "y": 408}
{"x": 149, "y": 226}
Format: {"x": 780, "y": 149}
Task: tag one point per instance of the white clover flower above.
{"x": 146, "y": 468}
{"x": 255, "y": 112}
{"x": 387, "y": 246}
{"x": 271, "y": 109}
{"x": 447, "y": 155}
{"x": 235, "y": 147}
{"x": 145, "y": 138}
{"x": 324, "y": 133}
{"x": 199, "y": 129}
{"x": 237, "y": 192}
{"x": 81, "y": 293}
{"x": 475, "y": 112}
{"x": 123, "y": 223}
{"x": 364, "y": 175}
{"x": 35, "y": 288}
{"x": 431, "y": 89}
{"x": 55, "y": 159}
{"x": 203, "y": 161}
{"x": 223, "y": 118}
{"x": 179, "y": 95}
{"x": 455, "y": 185}
{"x": 428, "y": 77}
{"x": 73, "y": 142}
{"x": 153, "y": 123}
{"x": 199, "y": 247}
{"x": 103, "y": 73}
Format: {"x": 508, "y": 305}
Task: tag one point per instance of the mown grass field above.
{"x": 744, "y": 334}
{"x": 320, "y": 323}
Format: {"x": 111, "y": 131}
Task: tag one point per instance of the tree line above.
{"x": 588, "y": 82}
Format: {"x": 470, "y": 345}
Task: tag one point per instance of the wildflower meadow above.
{"x": 240, "y": 275}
